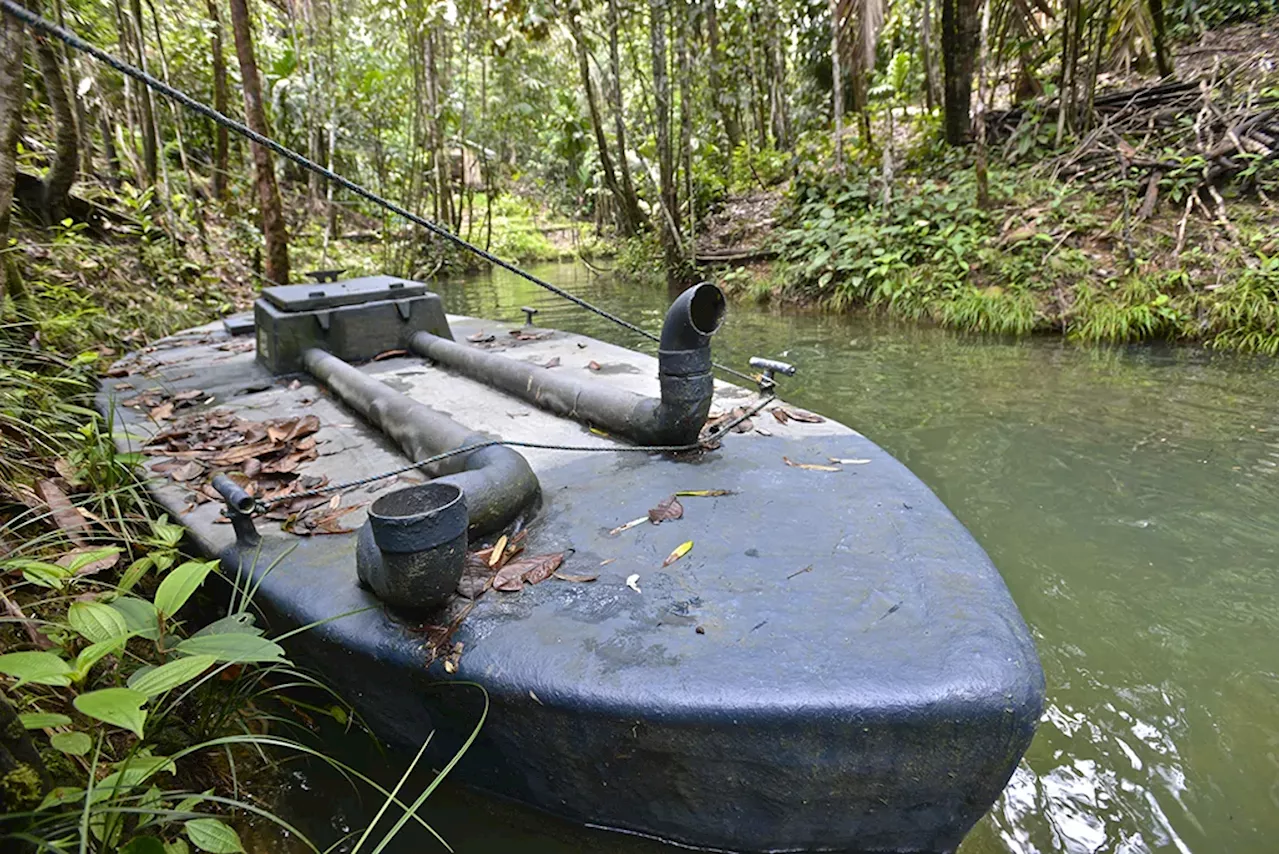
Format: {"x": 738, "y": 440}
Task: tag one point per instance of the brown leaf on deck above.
{"x": 528, "y": 570}
{"x": 593, "y": 365}
{"x": 63, "y": 512}
{"x": 481, "y": 338}
{"x": 668, "y": 510}
{"x": 390, "y": 354}
{"x": 581, "y": 579}
{"x": 553, "y": 362}
{"x": 161, "y": 413}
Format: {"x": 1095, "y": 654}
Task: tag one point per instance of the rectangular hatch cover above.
{"x": 311, "y": 297}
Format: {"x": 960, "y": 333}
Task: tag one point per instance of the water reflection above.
{"x": 1129, "y": 498}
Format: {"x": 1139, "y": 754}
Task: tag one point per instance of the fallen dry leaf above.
{"x": 481, "y": 338}
{"x": 593, "y": 365}
{"x": 783, "y": 415}
{"x": 553, "y": 362}
{"x": 528, "y": 570}
{"x": 581, "y": 579}
{"x": 668, "y": 510}
{"x": 628, "y": 526}
{"x": 809, "y": 466}
{"x": 161, "y": 413}
{"x": 499, "y": 549}
{"x": 63, "y": 512}
{"x": 390, "y": 354}
{"x": 679, "y": 552}
{"x": 848, "y": 462}
{"x": 780, "y": 414}
{"x": 704, "y": 493}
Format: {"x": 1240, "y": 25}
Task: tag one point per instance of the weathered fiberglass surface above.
{"x": 835, "y": 663}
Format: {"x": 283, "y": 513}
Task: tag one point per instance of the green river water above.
{"x": 1128, "y": 496}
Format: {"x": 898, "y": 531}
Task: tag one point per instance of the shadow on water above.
{"x": 1129, "y": 497}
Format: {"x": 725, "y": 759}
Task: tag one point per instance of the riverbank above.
{"x": 1158, "y": 224}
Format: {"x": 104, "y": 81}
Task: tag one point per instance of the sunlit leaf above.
{"x": 120, "y": 707}
{"x": 42, "y": 668}
{"x": 241, "y": 623}
{"x": 179, "y": 584}
{"x": 94, "y": 653}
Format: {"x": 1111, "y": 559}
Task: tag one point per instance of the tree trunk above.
{"x": 1164, "y": 63}
{"x": 776, "y": 75}
{"x": 683, "y": 35}
{"x": 146, "y": 106}
{"x": 274, "y": 234}
{"x": 837, "y": 86}
{"x": 62, "y": 168}
{"x": 715, "y": 62}
{"x": 979, "y": 116}
{"x": 929, "y": 56}
{"x": 631, "y": 201}
{"x": 625, "y": 225}
{"x": 662, "y": 115}
{"x": 11, "y": 98}
{"x": 959, "y": 38}
{"x": 219, "y": 103}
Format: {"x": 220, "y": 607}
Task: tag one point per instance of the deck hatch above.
{"x": 313, "y": 296}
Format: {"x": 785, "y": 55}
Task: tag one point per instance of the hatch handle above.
{"x": 528, "y": 314}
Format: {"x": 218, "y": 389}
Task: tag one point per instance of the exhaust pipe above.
{"x": 497, "y": 481}
{"x": 684, "y": 377}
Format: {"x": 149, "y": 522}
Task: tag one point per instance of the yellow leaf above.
{"x": 679, "y": 552}
{"x": 809, "y": 466}
{"x": 704, "y": 493}
{"x": 499, "y": 548}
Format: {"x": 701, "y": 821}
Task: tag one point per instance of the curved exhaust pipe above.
{"x": 684, "y": 377}
{"x": 497, "y": 481}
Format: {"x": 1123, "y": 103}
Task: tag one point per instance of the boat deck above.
{"x": 835, "y": 664}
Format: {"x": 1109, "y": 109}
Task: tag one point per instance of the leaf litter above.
{"x": 264, "y": 457}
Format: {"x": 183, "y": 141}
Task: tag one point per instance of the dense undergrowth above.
{"x": 1046, "y": 254}
{"x": 137, "y": 695}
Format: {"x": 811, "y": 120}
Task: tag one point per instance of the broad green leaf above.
{"x": 179, "y": 584}
{"x": 169, "y": 676}
{"x": 241, "y": 648}
{"x": 241, "y": 623}
{"x": 211, "y": 835}
{"x": 94, "y": 653}
{"x": 143, "y": 845}
{"x": 75, "y": 743}
{"x": 42, "y": 668}
{"x": 83, "y": 559}
{"x": 62, "y": 795}
{"x": 96, "y": 622}
{"x": 139, "y": 615}
{"x": 131, "y": 576}
{"x": 120, "y": 707}
{"x": 166, "y": 532}
{"x": 177, "y": 846}
{"x": 39, "y": 572}
{"x": 42, "y": 720}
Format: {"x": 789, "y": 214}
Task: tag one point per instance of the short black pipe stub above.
{"x": 411, "y": 551}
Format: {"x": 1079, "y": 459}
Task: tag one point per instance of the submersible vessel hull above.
{"x": 835, "y": 664}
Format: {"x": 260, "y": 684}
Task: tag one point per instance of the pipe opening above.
{"x": 414, "y": 502}
{"x": 706, "y": 308}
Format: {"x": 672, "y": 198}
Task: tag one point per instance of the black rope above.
{"x": 720, "y": 430}
{"x": 71, "y": 39}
